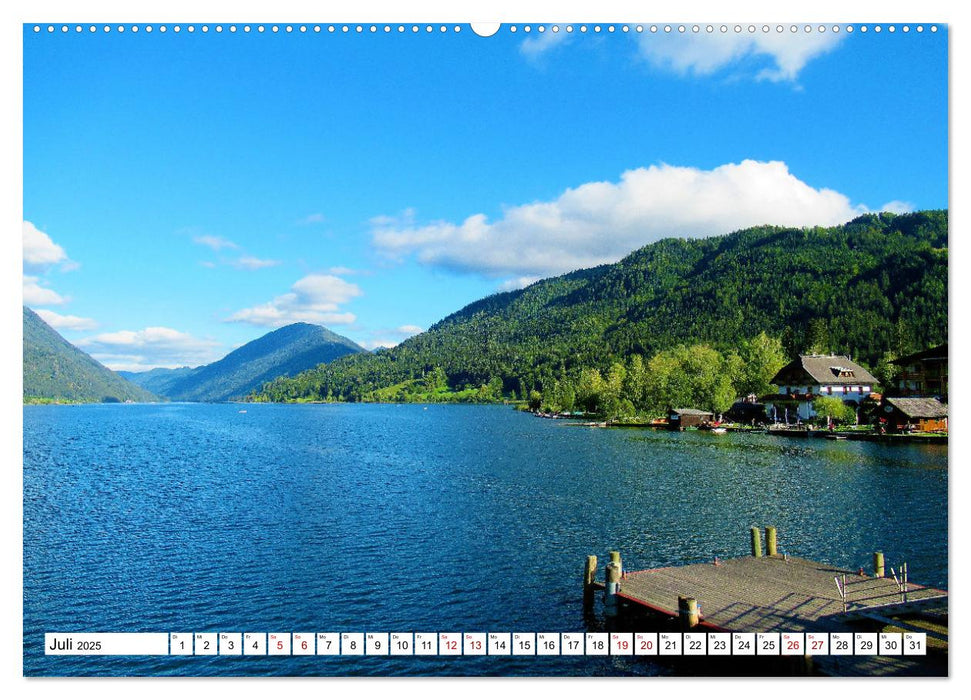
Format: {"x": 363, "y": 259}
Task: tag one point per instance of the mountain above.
{"x": 282, "y": 353}
{"x": 873, "y": 286}
{"x": 55, "y": 370}
{"x": 159, "y": 381}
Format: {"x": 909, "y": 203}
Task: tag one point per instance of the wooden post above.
{"x": 589, "y": 576}
{"x": 878, "y": 565}
{"x": 613, "y": 573}
{"x": 770, "y": 541}
{"x": 756, "y": 543}
{"x": 903, "y": 576}
{"x": 615, "y": 559}
{"x": 612, "y": 587}
{"x": 687, "y": 612}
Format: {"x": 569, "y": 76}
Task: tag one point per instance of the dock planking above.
{"x": 771, "y": 594}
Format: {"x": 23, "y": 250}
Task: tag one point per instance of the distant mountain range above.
{"x": 283, "y": 353}
{"x": 56, "y": 371}
{"x": 873, "y": 288}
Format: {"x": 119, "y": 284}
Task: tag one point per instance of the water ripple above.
{"x": 393, "y": 518}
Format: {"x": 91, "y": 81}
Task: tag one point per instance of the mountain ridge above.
{"x": 56, "y": 371}
{"x": 283, "y": 352}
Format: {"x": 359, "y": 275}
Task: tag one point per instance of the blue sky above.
{"x": 184, "y": 193}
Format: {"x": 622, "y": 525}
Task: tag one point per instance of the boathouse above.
{"x": 809, "y": 376}
{"x": 681, "y": 418}
{"x": 920, "y": 414}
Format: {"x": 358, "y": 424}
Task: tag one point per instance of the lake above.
{"x": 402, "y": 518}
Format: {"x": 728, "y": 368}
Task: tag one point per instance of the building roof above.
{"x": 919, "y": 407}
{"x": 823, "y": 369}
{"x": 691, "y": 412}
{"x": 938, "y": 354}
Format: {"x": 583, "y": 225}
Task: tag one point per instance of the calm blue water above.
{"x": 334, "y": 518}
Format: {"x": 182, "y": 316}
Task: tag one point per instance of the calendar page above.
{"x": 415, "y": 346}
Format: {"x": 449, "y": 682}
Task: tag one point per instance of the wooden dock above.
{"x": 779, "y": 593}
{"x": 773, "y": 594}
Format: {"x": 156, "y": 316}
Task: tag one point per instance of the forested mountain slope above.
{"x": 873, "y": 286}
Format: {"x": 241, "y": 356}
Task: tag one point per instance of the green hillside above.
{"x": 56, "y": 371}
{"x": 872, "y": 287}
{"x": 281, "y": 353}
{"x": 159, "y": 380}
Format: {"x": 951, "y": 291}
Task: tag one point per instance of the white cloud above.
{"x": 600, "y": 222}
{"x": 312, "y": 299}
{"x": 389, "y": 337}
{"x": 376, "y": 343}
{"x": 69, "y": 323}
{"x": 41, "y": 252}
{"x": 515, "y": 283}
{"x": 704, "y": 54}
{"x": 897, "y": 207}
{"x": 248, "y": 262}
{"x": 151, "y": 347}
{"x": 540, "y": 44}
{"x": 214, "y": 242}
{"x": 36, "y": 295}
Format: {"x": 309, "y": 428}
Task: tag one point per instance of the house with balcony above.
{"x": 809, "y": 376}
{"x": 921, "y": 374}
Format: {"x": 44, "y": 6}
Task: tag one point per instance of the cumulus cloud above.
{"x": 600, "y": 222}
{"x": 37, "y": 295}
{"x": 778, "y": 56}
{"x": 389, "y": 337}
{"x": 248, "y": 262}
{"x": 214, "y": 242}
{"x": 540, "y": 44}
{"x": 40, "y": 255}
{"x": 148, "y": 348}
{"x": 311, "y": 299}
{"x": 40, "y": 252}
{"x": 68, "y": 323}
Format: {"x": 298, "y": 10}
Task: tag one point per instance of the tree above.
{"x": 635, "y": 383}
{"x": 665, "y": 384}
{"x": 535, "y": 400}
{"x": 613, "y": 403}
{"x": 762, "y": 356}
{"x": 834, "y": 409}
{"x": 436, "y": 380}
{"x": 692, "y": 377}
{"x": 884, "y": 370}
{"x": 817, "y": 337}
{"x": 590, "y": 390}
